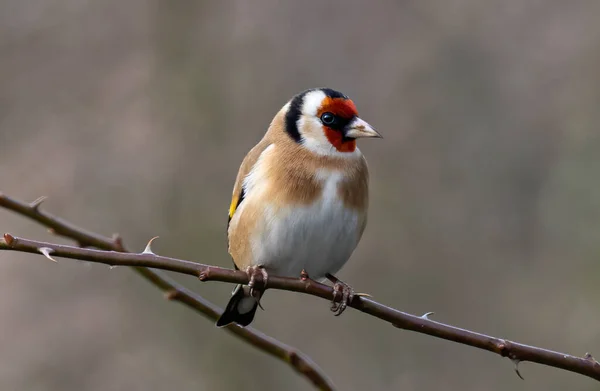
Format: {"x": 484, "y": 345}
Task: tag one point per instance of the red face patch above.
{"x": 339, "y": 106}
{"x": 344, "y": 108}
{"x": 336, "y": 139}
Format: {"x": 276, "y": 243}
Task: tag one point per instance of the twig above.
{"x": 516, "y": 352}
{"x": 422, "y": 324}
{"x": 173, "y": 290}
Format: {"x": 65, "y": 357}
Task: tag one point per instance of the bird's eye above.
{"x": 327, "y": 118}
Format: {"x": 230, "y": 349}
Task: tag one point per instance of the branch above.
{"x": 517, "y": 352}
{"x": 173, "y": 290}
{"x": 422, "y": 324}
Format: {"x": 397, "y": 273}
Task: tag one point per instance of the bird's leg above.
{"x": 252, "y": 272}
{"x": 346, "y": 291}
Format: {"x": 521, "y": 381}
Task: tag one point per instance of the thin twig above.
{"x": 422, "y": 324}
{"x": 516, "y": 352}
{"x": 173, "y": 290}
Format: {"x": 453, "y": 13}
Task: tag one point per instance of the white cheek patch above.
{"x": 315, "y": 141}
{"x": 313, "y": 136}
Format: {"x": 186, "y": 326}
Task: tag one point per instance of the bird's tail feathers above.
{"x": 240, "y": 309}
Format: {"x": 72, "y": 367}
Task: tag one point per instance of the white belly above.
{"x": 318, "y": 238}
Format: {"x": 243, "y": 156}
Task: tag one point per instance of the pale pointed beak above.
{"x": 359, "y": 128}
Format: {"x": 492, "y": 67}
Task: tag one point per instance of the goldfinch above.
{"x": 300, "y": 199}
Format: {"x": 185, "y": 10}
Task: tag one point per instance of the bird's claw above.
{"x": 252, "y": 272}
{"x": 517, "y": 362}
{"x": 340, "y": 287}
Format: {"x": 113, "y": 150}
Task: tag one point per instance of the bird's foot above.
{"x": 252, "y": 272}
{"x": 340, "y": 288}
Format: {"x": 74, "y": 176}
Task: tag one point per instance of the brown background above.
{"x": 133, "y": 116}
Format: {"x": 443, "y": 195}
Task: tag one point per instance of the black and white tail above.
{"x": 240, "y": 309}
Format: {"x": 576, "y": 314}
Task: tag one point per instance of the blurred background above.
{"x": 133, "y": 117}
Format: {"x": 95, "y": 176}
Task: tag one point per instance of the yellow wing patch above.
{"x": 235, "y": 202}
{"x": 233, "y": 206}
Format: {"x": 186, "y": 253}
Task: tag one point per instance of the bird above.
{"x": 300, "y": 200}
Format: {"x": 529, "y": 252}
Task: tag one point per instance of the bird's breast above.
{"x": 317, "y": 235}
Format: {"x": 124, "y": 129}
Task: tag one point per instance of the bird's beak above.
{"x": 359, "y": 128}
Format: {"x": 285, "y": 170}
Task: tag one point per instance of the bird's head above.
{"x": 326, "y": 122}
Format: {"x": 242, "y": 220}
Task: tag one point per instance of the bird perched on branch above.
{"x": 300, "y": 200}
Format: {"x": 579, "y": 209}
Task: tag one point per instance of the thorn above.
{"x": 426, "y": 315}
{"x": 304, "y": 275}
{"x": 589, "y": 357}
{"x": 9, "y": 239}
{"x": 517, "y": 362}
{"x": 35, "y": 205}
{"x": 51, "y": 231}
{"x": 363, "y": 295}
{"x": 111, "y": 267}
{"x": 148, "y": 249}
{"x": 46, "y": 251}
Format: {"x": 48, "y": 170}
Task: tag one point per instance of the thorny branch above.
{"x": 516, "y": 352}
{"x": 172, "y": 289}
